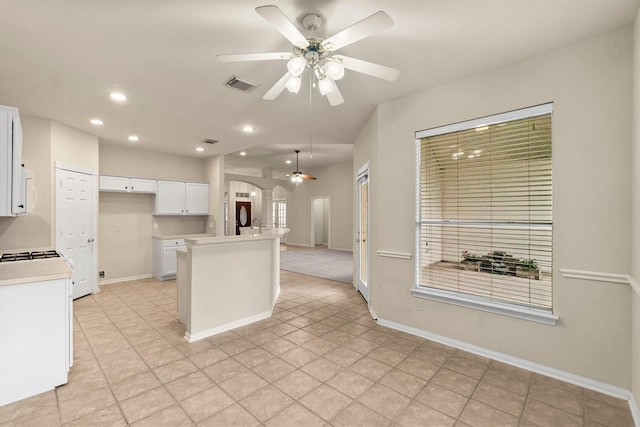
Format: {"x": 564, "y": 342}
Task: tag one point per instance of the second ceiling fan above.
{"x": 316, "y": 54}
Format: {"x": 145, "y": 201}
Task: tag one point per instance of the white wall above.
{"x": 334, "y": 182}
{"x": 590, "y": 85}
{"x": 635, "y": 255}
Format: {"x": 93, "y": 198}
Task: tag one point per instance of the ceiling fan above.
{"x": 297, "y": 176}
{"x": 316, "y": 54}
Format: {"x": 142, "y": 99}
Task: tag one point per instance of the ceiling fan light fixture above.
{"x": 296, "y": 65}
{"x": 334, "y": 69}
{"x": 325, "y": 86}
{"x": 293, "y": 84}
{"x": 296, "y": 179}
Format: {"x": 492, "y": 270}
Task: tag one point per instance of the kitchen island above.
{"x": 227, "y": 282}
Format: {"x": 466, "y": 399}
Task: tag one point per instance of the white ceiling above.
{"x": 61, "y": 59}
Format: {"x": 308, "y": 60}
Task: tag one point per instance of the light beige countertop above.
{"x": 36, "y": 270}
{"x": 212, "y": 240}
{"x": 182, "y": 236}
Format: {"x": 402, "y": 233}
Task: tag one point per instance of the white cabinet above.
{"x": 128, "y": 185}
{"x": 12, "y": 177}
{"x": 182, "y": 198}
{"x": 36, "y": 331}
{"x": 165, "y": 262}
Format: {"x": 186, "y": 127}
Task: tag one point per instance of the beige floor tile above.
{"x": 343, "y": 356}
{"x": 350, "y": 383}
{"x": 145, "y": 404}
{"x": 278, "y": 346}
{"x": 208, "y": 357}
{"x": 499, "y": 398}
{"x": 205, "y": 404}
{"x": 236, "y": 346}
{"x": 357, "y": 414}
{"x": 325, "y": 402}
{"x": 189, "y": 385}
{"x": 298, "y": 356}
{"x": 322, "y": 369}
{"x": 243, "y": 385}
{"x": 273, "y": 369}
{"x": 300, "y": 322}
{"x": 224, "y": 370}
{"x": 172, "y": 416}
{"x": 83, "y": 405}
{"x": 384, "y": 401}
{"x": 434, "y": 356}
{"x": 266, "y": 403}
{"x": 296, "y": 415}
{"x": 109, "y": 416}
{"x": 455, "y": 381}
{"x": 370, "y": 368}
{"x": 590, "y": 394}
{"x": 175, "y": 370}
{"x": 558, "y": 398}
{"x": 232, "y": 416}
{"x": 253, "y": 357}
{"x": 442, "y": 399}
{"x": 601, "y": 412}
{"x": 418, "y": 367}
{"x": 417, "y": 414}
{"x": 34, "y": 411}
{"x": 283, "y": 328}
{"x": 544, "y": 415}
{"x": 319, "y": 346}
{"x": 403, "y": 382}
{"x": 508, "y": 377}
{"x": 134, "y": 385}
{"x": 478, "y": 414}
{"x": 297, "y": 384}
{"x": 466, "y": 366}
{"x": 361, "y": 345}
{"x": 189, "y": 349}
{"x": 387, "y": 355}
{"x": 318, "y": 329}
{"x": 299, "y": 337}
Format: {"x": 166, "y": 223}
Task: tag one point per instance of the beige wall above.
{"x": 635, "y": 254}
{"x": 126, "y": 223}
{"x": 214, "y": 175}
{"x": 590, "y": 85}
{"x": 334, "y": 182}
{"x": 73, "y": 147}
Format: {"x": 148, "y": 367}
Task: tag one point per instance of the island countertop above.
{"x": 36, "y": 270}
{"x": 181, "y": 236}
{"x": 212, "y": 240}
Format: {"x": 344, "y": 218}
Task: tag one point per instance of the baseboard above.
{"x": 226, "y": 327}
{"x": 124, "y": 279}
{"x": 340, "y": 249}
{"x": 635, "y": 411}
{"x": 588, "y": 383}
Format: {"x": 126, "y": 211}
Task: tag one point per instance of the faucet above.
{"x": 259, "y": 224}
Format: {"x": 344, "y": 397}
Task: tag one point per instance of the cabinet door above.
{"x": 114, "y": 183}
{"x": 197, "y": 198}
{"x": 139, "y": 185}
{"x": 170, "y": 198}
{"x": 169, "y": 260}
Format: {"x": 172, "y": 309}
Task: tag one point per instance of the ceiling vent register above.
{"x": 241, "y": 84}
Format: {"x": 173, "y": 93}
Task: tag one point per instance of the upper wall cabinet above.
{"x": 128, "y": 185}
{"x": 12, "y": 174}
{"x": 182, "y": 198}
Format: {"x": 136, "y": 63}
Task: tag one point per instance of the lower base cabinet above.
{"x": 165, "y": 264}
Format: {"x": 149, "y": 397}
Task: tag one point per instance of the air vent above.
{"x": 210, "y": 141}
{"x": 241, "y": 84}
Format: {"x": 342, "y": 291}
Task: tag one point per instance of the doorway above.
{"x": 243, "y": 215}
{"x": 320, "y": 221}
{"x": 76, "y": 224}
{"x": 362, "y": 238}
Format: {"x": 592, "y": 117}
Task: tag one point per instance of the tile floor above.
{"x": 320, "y": 360}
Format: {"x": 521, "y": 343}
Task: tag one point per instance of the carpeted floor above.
{"x": 324, "y": 263}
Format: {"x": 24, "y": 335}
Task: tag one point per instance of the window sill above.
{"x": 531, "y": 314}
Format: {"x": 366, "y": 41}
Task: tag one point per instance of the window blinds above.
{"x": 485, "y": 210}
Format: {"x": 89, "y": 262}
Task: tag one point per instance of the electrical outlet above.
{"x": 155, "y": 225}
{"x": 420, "y": 305}
{"x": 210, "y": 225}
{"x": 117, "y": 227}
{"x": 101, "y": 274}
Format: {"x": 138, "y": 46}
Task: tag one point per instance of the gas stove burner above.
{"x": 24, "y": 256}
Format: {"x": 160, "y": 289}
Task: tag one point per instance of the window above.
{"x": 484, "y": 226}
{"x": 280, "y": 213}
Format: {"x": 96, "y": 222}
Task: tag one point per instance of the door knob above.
{"x": 90, "y": 240}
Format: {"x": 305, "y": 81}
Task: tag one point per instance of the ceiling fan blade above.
{"x": 277, "y": 88}
{"x": 375, "y": 70}
{"x": 335, "y": 97}
{"x": 275, "y": 17}
{"x": 358, "y": 31}
{"x": 243, "y": 57}
{"x": 303, "y": 176}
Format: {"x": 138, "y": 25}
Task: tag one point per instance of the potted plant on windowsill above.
{"x": 528, "y": 269}
{"x": 470, "y": 261}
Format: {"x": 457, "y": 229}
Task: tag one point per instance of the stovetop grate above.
{"x": 23, "y": 256}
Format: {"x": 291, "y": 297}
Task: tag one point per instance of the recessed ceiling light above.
{"x": 248, "y": 128}
{"x": 288, "y": 162}
{"x": 97, "y": 122}
{"x": 242, "y": 153}
{"x": 133, "y": 138}
{"x": 199, "y": 149}
{"x": 118, "y": 96}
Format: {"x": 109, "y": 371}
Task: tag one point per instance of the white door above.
{"x": 318, "y": 216}
{"x": 76, "y": 215}
{"x": 362, "y": 240}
